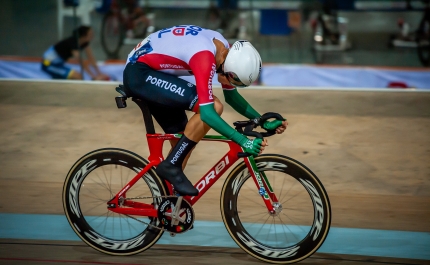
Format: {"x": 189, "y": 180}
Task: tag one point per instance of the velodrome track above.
{"x": 370, "y": 149}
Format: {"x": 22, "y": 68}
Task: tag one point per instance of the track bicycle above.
{"x": 272, "y": 206}
{"x": 115, "y": 24}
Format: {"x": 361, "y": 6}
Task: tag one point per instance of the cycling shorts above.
{"x": 167, "y": 96}
{"x": 57, "y": 70}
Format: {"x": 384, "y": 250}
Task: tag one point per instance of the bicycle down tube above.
{"x": 155, "y": 144}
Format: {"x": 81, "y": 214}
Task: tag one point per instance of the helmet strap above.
{"x": 219, "y": 70}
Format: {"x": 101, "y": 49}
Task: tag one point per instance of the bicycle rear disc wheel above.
{"x": 302, "y": 218}
{"x": 93, "y": 181}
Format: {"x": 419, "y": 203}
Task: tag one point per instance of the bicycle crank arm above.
{"x": 176, "y": 212}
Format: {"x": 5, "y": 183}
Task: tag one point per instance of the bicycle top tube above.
{"x": 170, "y": 136}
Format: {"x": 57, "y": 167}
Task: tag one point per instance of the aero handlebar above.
{"x": 247, "y": 127}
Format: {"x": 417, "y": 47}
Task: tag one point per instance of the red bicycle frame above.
{"x": 155, "y": 143}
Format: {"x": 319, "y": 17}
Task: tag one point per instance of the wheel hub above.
{"x": 277, "y": 209}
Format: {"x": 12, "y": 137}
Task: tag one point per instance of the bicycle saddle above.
{"x": 121, "y": 100}
{"x": 123, "y": 91}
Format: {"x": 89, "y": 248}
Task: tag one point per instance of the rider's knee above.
{"x": 218, "y": 106}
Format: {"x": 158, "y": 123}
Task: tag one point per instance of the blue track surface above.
{"x": 366, "y": 242}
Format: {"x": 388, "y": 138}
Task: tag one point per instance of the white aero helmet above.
{"x": 243, "y": 64}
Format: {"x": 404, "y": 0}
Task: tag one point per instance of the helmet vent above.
{"x": 238, "y": 44}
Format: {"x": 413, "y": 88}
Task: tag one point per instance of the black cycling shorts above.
{"x": 167, "y": 96}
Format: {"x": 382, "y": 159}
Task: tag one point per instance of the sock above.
{"x": 180, "y": 151}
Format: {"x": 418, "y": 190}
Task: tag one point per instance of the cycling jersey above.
{"x": 182, "y": 50}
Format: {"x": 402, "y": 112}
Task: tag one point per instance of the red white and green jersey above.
{"x": 182, "y": 50}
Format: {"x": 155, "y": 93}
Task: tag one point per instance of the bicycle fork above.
{"x": 264, "y": 188}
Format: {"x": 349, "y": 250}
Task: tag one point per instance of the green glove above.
{"x": 272, "y": 125}
{"x": 252, "y": 146}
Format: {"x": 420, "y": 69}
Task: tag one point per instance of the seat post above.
{"x": 147, "y": 117}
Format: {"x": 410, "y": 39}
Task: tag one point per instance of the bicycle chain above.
{"x": 148, "y": 224}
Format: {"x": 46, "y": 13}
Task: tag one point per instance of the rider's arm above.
{"x": 211, "y": 118}
{"x": 203, "y": 66}
{"x": 239, "y": 104}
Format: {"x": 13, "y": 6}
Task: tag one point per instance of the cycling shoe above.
{"x": 177, "y": 178}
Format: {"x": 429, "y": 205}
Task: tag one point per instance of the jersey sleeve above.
{"x": 227, "y": 87}
{"x": 203, "y": 66}
{"x": 239, "y": 104}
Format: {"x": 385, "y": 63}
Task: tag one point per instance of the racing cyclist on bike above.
{"x": 151, "y": 73}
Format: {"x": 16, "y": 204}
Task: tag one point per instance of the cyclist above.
{"x": 152, "y": 71}
{"x": 56, "y": 56}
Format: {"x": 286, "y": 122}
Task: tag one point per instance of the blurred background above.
{"x": 355, "y": 33}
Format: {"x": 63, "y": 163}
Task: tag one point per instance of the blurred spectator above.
{"x": 224, "y": 18}
{"x": 214, "y": 20}
{"x": 328, "y": 20}
{"x": 55, "y": 58}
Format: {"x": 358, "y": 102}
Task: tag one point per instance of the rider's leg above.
{"x": 168, "y": 97}
{"x": 171, "y": 168}
{"x": 196, "y": 129}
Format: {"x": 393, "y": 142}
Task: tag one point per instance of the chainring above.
{"x": 186, "y": 215}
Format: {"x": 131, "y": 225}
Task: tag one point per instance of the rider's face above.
{"x": 228, "y": 78}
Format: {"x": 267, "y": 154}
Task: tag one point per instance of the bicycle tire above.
{"x": 113, "y": 29}
{"x": 308, "y": 204}
{"x": 93, "y": 181}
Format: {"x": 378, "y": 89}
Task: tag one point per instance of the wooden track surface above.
{"x": 31, "y": 252}
{"x": 371, "y": 150}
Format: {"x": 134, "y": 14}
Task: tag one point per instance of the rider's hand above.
{"x": 254, "y": 146}
{"x": 263, "y": 145}
{"x": 280, "y": 126}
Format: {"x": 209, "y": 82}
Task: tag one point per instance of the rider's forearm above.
{"x": 239, "y": 104}
{"x": 211, "y": 118}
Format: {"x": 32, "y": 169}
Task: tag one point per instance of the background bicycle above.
{"x": 124, "y": 22}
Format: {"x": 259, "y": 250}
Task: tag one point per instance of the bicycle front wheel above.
{"x": 93, "y": 181}
{"x": 302, "y": 216}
